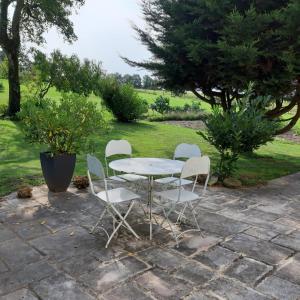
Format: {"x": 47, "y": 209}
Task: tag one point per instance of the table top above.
{"x": 147, "y": 166}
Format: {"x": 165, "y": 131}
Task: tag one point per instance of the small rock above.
{"x": 24, "y": 192}
{"x": 232, "y": 183}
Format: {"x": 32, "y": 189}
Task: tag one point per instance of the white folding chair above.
{"x": 110, "y": 198}
{"x": 181, "y": 151}
{"x": 192, "y": 168}
{"x": 120, "y": 147}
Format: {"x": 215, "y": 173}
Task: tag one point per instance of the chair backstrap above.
{"x": 196, "y": 166}
{"x": 95, "y": 167}
{"x": 115, "y": 147}
{"x": 187, "y": 151}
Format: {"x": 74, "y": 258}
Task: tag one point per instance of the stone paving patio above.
{"x": 250, "y": 249}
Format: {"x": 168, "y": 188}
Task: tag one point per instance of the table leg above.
{"x": 150, "y": 199}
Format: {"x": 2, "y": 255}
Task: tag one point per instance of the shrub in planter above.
{"x": 240, "y": 130}
{"x": 122, "y": 100}
{"x": 64, "y": 127}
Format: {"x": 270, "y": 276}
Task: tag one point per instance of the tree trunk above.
{"x": 14, "y": 83}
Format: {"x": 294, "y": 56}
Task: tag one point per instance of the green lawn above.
{"x": 20, "y": 161}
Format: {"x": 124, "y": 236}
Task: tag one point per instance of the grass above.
{"x": 20, "y": 160}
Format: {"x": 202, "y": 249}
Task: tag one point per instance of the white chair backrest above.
{"x": 196, "y": 166}
{"x": 95, "y": 167}
{"x": 187, "y": 151}
{"x": 115, "y": 147}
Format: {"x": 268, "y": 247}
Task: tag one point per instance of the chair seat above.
{"x": 172, "y": 195}
{"x": 132, "y": 177}
{"x": 174, "y": 181}
{"x": 117, "y": 178}
{"x": 118, "y": 195}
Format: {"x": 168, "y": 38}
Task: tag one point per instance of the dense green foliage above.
{"x": 240, "y": 130}
{"x": 122, "y": 100}
{"x": 147, "y": 82}
{"x": 66, "y": 74}
{"x": 161, "y": 105}
{"x": 20, "y": 160}
{"x": 215, "y": 47}
{"x": 63, "y": 126}
{"x": 27, "y": 21}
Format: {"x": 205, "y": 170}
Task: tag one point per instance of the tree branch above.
{"x": 211, "y": 102}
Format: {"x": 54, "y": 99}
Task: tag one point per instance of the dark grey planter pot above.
{"x": 58, "y": 170}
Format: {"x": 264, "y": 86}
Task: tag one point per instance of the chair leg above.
{"x": 171, "y": 227}
{"x": 181, "y": 214}
{"x": 194, "y": 215}
{"x": 122, "y": 220}
{"x": 98, "y": 222}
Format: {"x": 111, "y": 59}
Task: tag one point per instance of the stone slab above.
{"x": 248, "y": 271}
{"x": 291, "y": 241}
{"x": 258, "y": 249}
{"x": 60, "y": 287}
{"x": 194, "y": 273}
{"x": 279, "y": 288}
{"x": 3, "y": 267}
{"x": 219, "y": 224}
{"x": 163, "y": 286}
{"x": 201, "y": 296}
{"x": 261, "y": 233}
{"x": 291, "y": 270}
{"x": 127, "y": 292}
{"x": 6, "y": 234}
{"x": 30, "y": 230}
{"x": 23, "y": 294}
{"x": 106, "y": 277}
{"x": 197, "y": 242}
{"x": 163, "y": 258}
{"x": 11, "y": 281}
{"x": 67, "y": 243}
{"x": 16, "y": 253}
{"x": 217, "y": 257}
{"x": 233, "y": 290}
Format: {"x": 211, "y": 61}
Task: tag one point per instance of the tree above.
{"x": 136, "y": 81}
{"x": 28, "y": 20}
{"x": 214, "y": 48}
{"x": 66, "y": 74}
{"x": 149, "y": 83}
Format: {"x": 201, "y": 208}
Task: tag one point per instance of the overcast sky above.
{"x": 104, "y": 33}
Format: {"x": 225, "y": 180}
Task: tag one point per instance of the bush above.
{"x": 122, "y": 100}
{"x": 64, "y": 126}
{"x": 240, "y": 130}
{"x": 1, "y": 87}
{"x": 161, "y": 105}
{"x": 177, "y": 116}
{"x": 3, "y": 110}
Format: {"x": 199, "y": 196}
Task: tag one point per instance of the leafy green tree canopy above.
{"x": 65, "y": 73}
{"x": 214, "y": 48}
{"x": 27, "y": 20}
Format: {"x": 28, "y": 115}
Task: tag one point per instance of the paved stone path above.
{"x": 250, "y": 249}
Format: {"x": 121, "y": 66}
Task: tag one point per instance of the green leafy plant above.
{"x": 122, "y": 100}
{"x": 1, "y": 87}
{"x": 161, "y": 105}
{"x": 64, "y": 126}
{"x": 240, "y": 130}
{"x": 3, "y": 109}
{"x": 65, "y": 73}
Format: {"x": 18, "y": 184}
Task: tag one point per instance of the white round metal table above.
{"x": 149, "y": 167}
